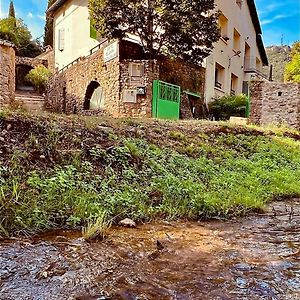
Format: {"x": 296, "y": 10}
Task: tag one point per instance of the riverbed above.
{"x": 257, "y": 257}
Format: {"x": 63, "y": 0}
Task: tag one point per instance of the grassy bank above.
{"x": 66, "y": 171}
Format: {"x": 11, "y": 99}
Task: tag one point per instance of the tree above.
{"x": 15, "y": 31}
{"x": 185, "y": 29}
{"x": 48, "y": 39}
{"x": 39, "y": 77}
{"x": 11, "y": 13}
{"x": 292, "y": 69}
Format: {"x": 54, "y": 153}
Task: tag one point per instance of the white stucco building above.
{"x": 72, "y": 36}
{"x": 240, "y": 54}
{"x": 236, "y": 58}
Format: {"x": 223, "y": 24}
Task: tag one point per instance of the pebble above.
{"x": 127, "y": 223}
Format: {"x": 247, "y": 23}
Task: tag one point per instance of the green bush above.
{"x": 228, "y": 106}
{"x": 39, "y": 77}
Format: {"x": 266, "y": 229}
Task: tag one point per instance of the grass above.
{"x": 59, "y": 173}
{"x": 97, "y": 229}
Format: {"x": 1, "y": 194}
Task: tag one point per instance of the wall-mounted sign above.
{"x": 141, "y": 90}
{"x": 111, "y": 51}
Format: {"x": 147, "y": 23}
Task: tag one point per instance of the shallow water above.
{"x": 257, "y": 257}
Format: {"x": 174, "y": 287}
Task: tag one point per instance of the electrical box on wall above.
{"x": 129, "y": 96}
{"x": 136, "y": 73}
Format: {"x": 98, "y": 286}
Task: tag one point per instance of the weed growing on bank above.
{"x": 53, "y": 180}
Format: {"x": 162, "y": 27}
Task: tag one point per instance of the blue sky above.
{"x": 277, "y": 18}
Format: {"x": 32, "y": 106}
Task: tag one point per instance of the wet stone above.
{"x": 127, "y": 223}
{"x": 242, "y": 267}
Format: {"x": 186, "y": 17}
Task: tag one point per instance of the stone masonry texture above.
{"x": 274, "y": 103}
{"x": 7, "y": 73}
{"x": 67, "y": 89}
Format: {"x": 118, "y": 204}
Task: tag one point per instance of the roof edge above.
{"x": 55, "y": 6}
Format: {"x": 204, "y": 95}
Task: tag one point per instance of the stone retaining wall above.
{"x": 67, "y": 90}
{"x": 7, "y": 73}
{"x": 275, "y": 103}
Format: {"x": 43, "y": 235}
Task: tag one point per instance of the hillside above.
{"x": 278, "y": 56}
{"x": 60, "y": 171}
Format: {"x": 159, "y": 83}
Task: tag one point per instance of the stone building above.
{"x": 7, "y": 73}
{"x": 117, "y": 79}
{"x": 274, "y": 103}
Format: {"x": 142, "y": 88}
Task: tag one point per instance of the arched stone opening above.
{"x": 94, "y": 96}
{"x": 21, "y": 82}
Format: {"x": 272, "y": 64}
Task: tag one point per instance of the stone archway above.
{"x": 21, "y": 82}
{"x": 94, "y": 96}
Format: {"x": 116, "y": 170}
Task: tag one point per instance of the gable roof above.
{"x": 256, "y": 23}
{"x": 253, "y": 13}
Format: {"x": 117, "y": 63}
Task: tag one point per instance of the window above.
{"x": 223, "y": 24}
{"x": 219, "y": 76}
{"x": 239, "y": 3}
{"x": 247, "y": 58}
{"x": 61, "y": 39}
{"x": 236, "y": 40}
{"x": 234, "y": 84}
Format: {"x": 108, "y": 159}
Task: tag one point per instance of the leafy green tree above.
{"x": 228, "y": 106}
{"x": 292, "y": 69}
{"x": 185, "y": 29}
{"x": 48, "y": 39}
{"x": 39, "y": 77}
{"x": 15, "y": 31}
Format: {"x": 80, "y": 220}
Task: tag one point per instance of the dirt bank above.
{"x": 253, "y": 258}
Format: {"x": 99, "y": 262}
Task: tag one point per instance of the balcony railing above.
{"x": 251, "y": 66}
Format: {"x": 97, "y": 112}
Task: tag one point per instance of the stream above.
{"x": 256, "y": 257}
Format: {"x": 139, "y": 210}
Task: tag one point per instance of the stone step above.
{"x": 30, "y": 102}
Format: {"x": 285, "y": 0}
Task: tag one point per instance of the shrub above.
{"x": 228, "y": 106}
{"x": 39, "y": 77}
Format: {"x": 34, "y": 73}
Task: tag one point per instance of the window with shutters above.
{"x": 61, "y": 39}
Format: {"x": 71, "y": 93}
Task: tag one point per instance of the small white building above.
{"x": 239, "y": 55}
{"x": 235, "y": 60}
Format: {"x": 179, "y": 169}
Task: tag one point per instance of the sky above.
{"x": 280, "y": 20}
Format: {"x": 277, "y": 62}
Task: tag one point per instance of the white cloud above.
{"x": 271, "y": 20}
{"x": 30, "y": 15}
{"x": 42, "y": 17}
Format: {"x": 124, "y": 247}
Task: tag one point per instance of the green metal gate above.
{"x": 166, "y": 100}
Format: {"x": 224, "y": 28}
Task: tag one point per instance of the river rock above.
{"x": 127, "y": 223}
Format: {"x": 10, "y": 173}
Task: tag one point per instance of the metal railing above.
{"x": 77, "y": 60}
{"x": 251, "y": 66}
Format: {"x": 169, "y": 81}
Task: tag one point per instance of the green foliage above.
{"x": 228, "y": 106}
{"x": 198, "y": 176}
{"x": 48, "y": 39}
{"x": 15, "y": 31}
{"x": 292, "y": 69}
{"x": 180, "y": 28}
{"x": 39, "y": 77}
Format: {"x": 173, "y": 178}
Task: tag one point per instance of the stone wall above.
{"x": 32, "y": 62}
{"x": 275, "y": 103}
{"x": 7, "y": 73}
{"x": 66, "y": 90}
{"x": 143, "y": 105}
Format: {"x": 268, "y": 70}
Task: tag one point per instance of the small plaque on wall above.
{"x": 111, "y": 51}
{"x": 141, "y": 90}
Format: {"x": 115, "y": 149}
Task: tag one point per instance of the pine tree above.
{"x": 48, "y": 38}
{"x": 11, "y": 13}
